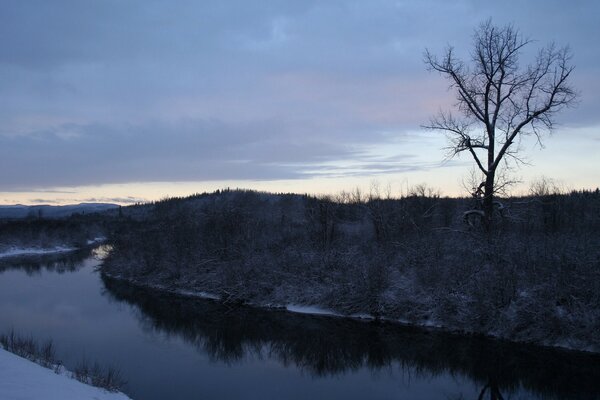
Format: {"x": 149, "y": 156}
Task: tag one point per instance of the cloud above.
{"x": 187, "y": 150}
{"x": 53, "y": 191}
{"x": 139, "y": 91}
{"x": 119, "y": 200}
{"x": 43, "y": 201}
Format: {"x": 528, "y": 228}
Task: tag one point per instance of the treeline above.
{"x": 47, "y": 233}
{"x": 535, "y": 278}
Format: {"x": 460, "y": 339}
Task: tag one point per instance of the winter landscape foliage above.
{"x": 39, "y": 235}
{"x": 414, "y": 259}
{"x": 323, "y": 347}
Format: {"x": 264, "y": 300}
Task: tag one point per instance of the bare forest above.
{"x": 414, "y": 259}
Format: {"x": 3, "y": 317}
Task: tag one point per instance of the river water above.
{"x": 169, "y": 347}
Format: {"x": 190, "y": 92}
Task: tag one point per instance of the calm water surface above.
{"x": 169, "y": 347}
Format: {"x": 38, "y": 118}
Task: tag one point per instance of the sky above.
{"x": 127, "y": 101}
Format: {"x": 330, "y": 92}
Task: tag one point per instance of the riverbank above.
{"x": 323, "y": 346}
{"x": 316, "y": 310}
{"x": 535, "y": 279}
{"x": 174, "y": 347}
{"x": 39, "y": 251}
{"x": 35, "y": 251}
{"x": 25, "y": 380}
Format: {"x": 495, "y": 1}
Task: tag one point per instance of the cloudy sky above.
{"x": 132, "y": 100}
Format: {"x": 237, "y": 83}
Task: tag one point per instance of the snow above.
{"x": 316, "y": 310}
{"x": 181, "y": 292}
{"x": 14, "y": 251}
{"x": 24, "y": 380}
{"x": 29, "y": 251}
{"x": 203, "y": 295}
{"x": 362, "y": 316}
{"x": 312, "y": 310}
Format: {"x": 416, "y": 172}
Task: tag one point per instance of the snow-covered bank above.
{"x": 24, "y": 380}
{"x": 27, "y": 251}
{"x": 32, "y": 251}
{"x": 410, "y": 260}
{"x": 311, "y": 310}
{"x": 317, "y": 310}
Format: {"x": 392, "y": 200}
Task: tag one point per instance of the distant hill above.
{"x": 48, "y": 211}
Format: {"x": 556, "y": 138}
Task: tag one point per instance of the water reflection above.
{"x": 34, "y": 264}
{"x": 323, "y": 346}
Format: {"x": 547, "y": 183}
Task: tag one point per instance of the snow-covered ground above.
{"x": 312, "y": 310}
{"x": 21, "y": 379}
{"x": 15, "y": 251}
{"x": 27, "y": 251}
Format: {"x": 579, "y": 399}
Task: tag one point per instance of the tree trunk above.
{"x": 488, "y": 202}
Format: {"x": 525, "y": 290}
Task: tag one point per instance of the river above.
{"x": 169, "y": 347}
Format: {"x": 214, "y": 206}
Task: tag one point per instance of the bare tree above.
{"x": 498, "y": 101}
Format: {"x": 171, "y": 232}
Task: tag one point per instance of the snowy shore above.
{"x": 24, "y": 380}
{"x": 327, "y": 312}
{"x": 32, "y": 251}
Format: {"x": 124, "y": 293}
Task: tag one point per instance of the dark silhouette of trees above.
{"x": 498, "y": 101}
{"x": 328, "y": 347}
{"x": 396, "y": 258}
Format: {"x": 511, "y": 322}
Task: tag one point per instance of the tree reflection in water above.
{"x": 35, "y": 263}
{"x": 326, "y": 346}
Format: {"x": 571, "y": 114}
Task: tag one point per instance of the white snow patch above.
{"x": 203, "y": 295}
{"x": 362, "y": 316}
{"x": 313, "y": 310}
{"x": 181, "y": 292}
{"x": 15, "y": 251}
{"x": 430, "y": 323}
{"x": 24, "y": 380}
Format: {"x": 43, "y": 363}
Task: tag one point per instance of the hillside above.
{"x": 414, "y": 259}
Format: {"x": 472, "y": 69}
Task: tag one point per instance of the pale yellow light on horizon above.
{"x": 569, "y": 158}
{"x": 150, "y": 191}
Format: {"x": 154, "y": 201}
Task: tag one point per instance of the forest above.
{"x": 46, "y": 233}
{"x": 417, "y": 259}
